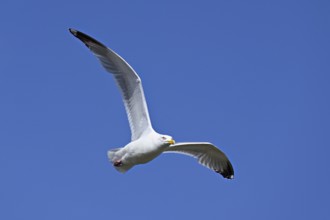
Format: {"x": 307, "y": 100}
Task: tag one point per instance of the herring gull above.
{"x": 146, "y": 144}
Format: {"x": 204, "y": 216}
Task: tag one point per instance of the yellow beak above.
{"x": 171, "y": 141}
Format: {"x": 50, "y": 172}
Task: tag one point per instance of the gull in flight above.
{"x": 146, "y": 144}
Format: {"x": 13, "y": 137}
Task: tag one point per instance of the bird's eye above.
{"x": 164, "y": 138}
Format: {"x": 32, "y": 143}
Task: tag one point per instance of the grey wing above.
{"x": 207, "y": 154}
{"x": 128, "y": 81}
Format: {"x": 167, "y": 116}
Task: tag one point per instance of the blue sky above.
{"x": 252, "y": 77}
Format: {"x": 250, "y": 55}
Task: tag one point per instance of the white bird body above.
{"x": 146, "y": 144}
{"x": 151, "y": 148}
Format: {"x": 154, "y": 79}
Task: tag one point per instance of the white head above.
{"x": 166, "y": 139}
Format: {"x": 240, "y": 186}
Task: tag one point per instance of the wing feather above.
{"x": 207, "y": 154}
{"x": 128, "y": 81}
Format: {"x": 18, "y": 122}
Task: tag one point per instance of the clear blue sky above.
{"x": 251, "y": 77}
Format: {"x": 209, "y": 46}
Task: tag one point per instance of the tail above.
{"x": 115, "y": 155}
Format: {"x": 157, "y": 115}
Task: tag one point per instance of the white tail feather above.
{"x": 116, "y": 155}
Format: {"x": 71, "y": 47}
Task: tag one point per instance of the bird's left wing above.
{"x": 207, "y": 154}
{"x": 128, "y": 81}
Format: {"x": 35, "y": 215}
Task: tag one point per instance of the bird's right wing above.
{"x": 128, "y": 81}
{"x": 207, "y": 154}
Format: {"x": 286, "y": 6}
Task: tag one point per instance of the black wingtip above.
{"x": 87, "y": 40}
{"x": 73, "y": 31}
{"x": 228, "y": 172}
{"x": 226, "y": 175}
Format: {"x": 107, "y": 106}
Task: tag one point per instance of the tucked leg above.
{"x": 117, "y": 163}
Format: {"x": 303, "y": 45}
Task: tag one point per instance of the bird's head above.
{"x": 166, "y": 139}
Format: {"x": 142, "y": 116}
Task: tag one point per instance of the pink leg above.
{"x": 117, "y": 163}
